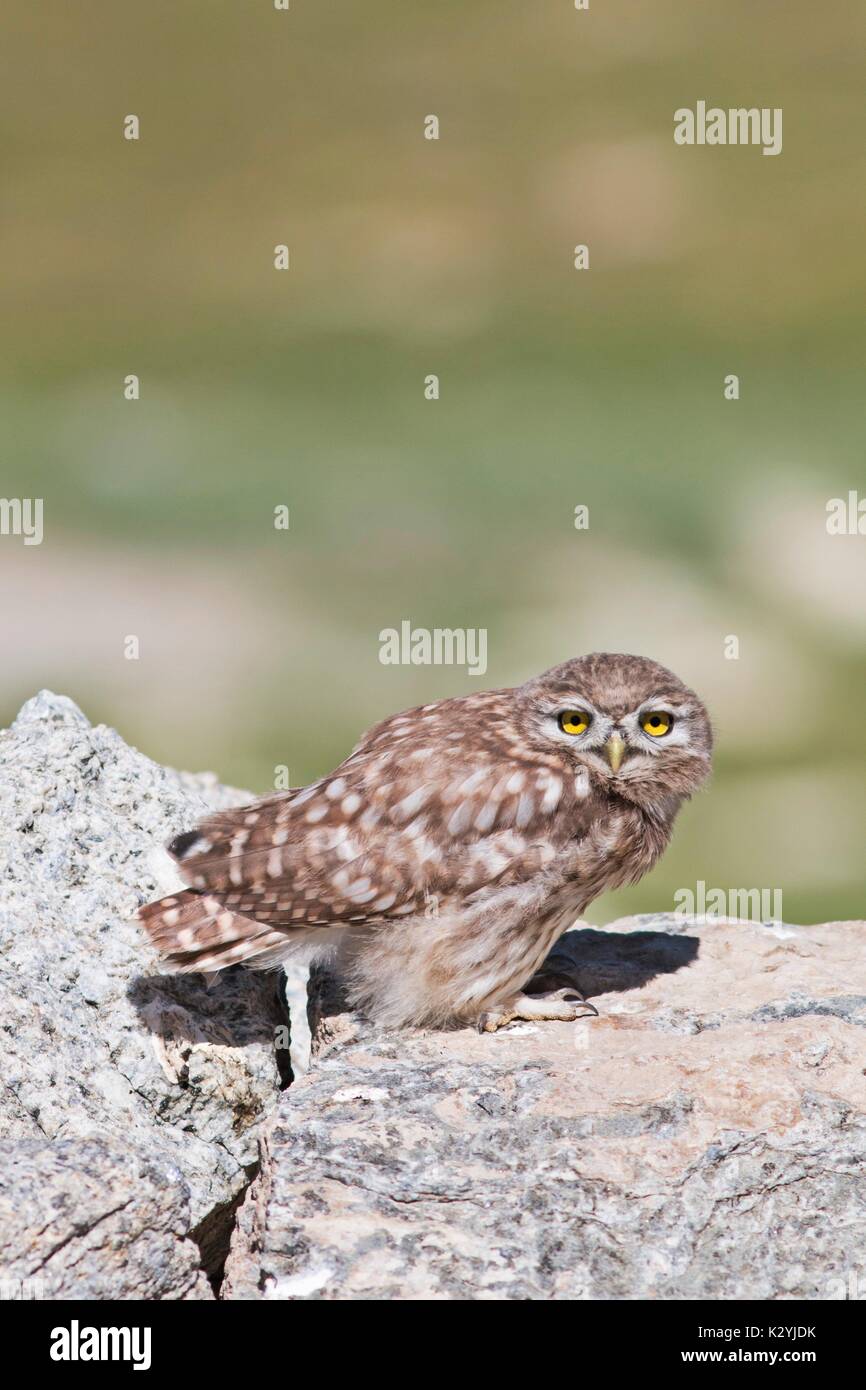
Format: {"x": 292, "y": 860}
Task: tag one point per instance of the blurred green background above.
{"x": 707, "y": 517}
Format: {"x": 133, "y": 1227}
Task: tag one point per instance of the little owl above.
{"x": 452, "y": 848}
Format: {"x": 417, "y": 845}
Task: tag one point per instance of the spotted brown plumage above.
{"x": 454, "y": 844}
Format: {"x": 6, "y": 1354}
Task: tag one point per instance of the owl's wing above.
{"x": 421, "y": 810}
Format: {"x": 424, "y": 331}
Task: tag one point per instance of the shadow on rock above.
{"x": 594, "y": 962}
{"x": 239, "y": 1009}
{"x": 602, "y": 962}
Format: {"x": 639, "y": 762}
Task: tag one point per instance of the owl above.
{"x": 455, "y": 844}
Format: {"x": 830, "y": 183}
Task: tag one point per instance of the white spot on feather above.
{"x": 461, "y": 820}
{"x": 525, "y": 810}
{"x": 405, "y": 809}
{"x": 486, "y": 816}
{"x": 552, "y": 793}
{"x": 467, "y": 785}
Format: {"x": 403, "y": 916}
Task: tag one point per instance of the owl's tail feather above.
{"x": 194, "y": 931}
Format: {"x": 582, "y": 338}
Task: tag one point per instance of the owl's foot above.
{"x": 562, "y": 1005}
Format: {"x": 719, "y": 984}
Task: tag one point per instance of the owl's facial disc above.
{"x": 581, "y": 728}
{"x": 657, "y": 725}
{"x": 578, "y": 721}
{"x": 629, "y": 722}
{"x": 616, "y": 743}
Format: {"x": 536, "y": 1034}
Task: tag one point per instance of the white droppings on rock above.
{"x": 300, "y": 1285}
{"x": 365, "y": 1093}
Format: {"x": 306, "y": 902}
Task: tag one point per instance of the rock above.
{"x": 704, "y": 1138}
{"x": 109, "y": 1068}
{"x": 82, "y": 1219}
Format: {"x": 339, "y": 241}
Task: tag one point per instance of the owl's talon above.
{"x": 491, "y": 1019}
{"x": 558, "y": 1005}
{"x": 569, "y": 995}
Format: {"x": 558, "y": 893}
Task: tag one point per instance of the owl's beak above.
{"x": 615, "y": 750}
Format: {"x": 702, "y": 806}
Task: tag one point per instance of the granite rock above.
{"x": 704, "y": 1137}
{"x": 96, "y": 1043}
{"x": 82, "y": 1219}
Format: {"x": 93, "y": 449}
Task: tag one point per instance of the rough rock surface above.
{"x": 705, "y": 1137}
{"x": 83, "y": 1219}
{"x": 173, "y": 1079}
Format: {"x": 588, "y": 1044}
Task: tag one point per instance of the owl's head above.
{"x": 631, "y": 723}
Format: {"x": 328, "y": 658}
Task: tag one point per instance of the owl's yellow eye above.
{"x": 656, "y": 723}
{"x": 574, "y": 721}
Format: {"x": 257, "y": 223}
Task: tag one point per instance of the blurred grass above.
{"x": 707, "y": 517}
